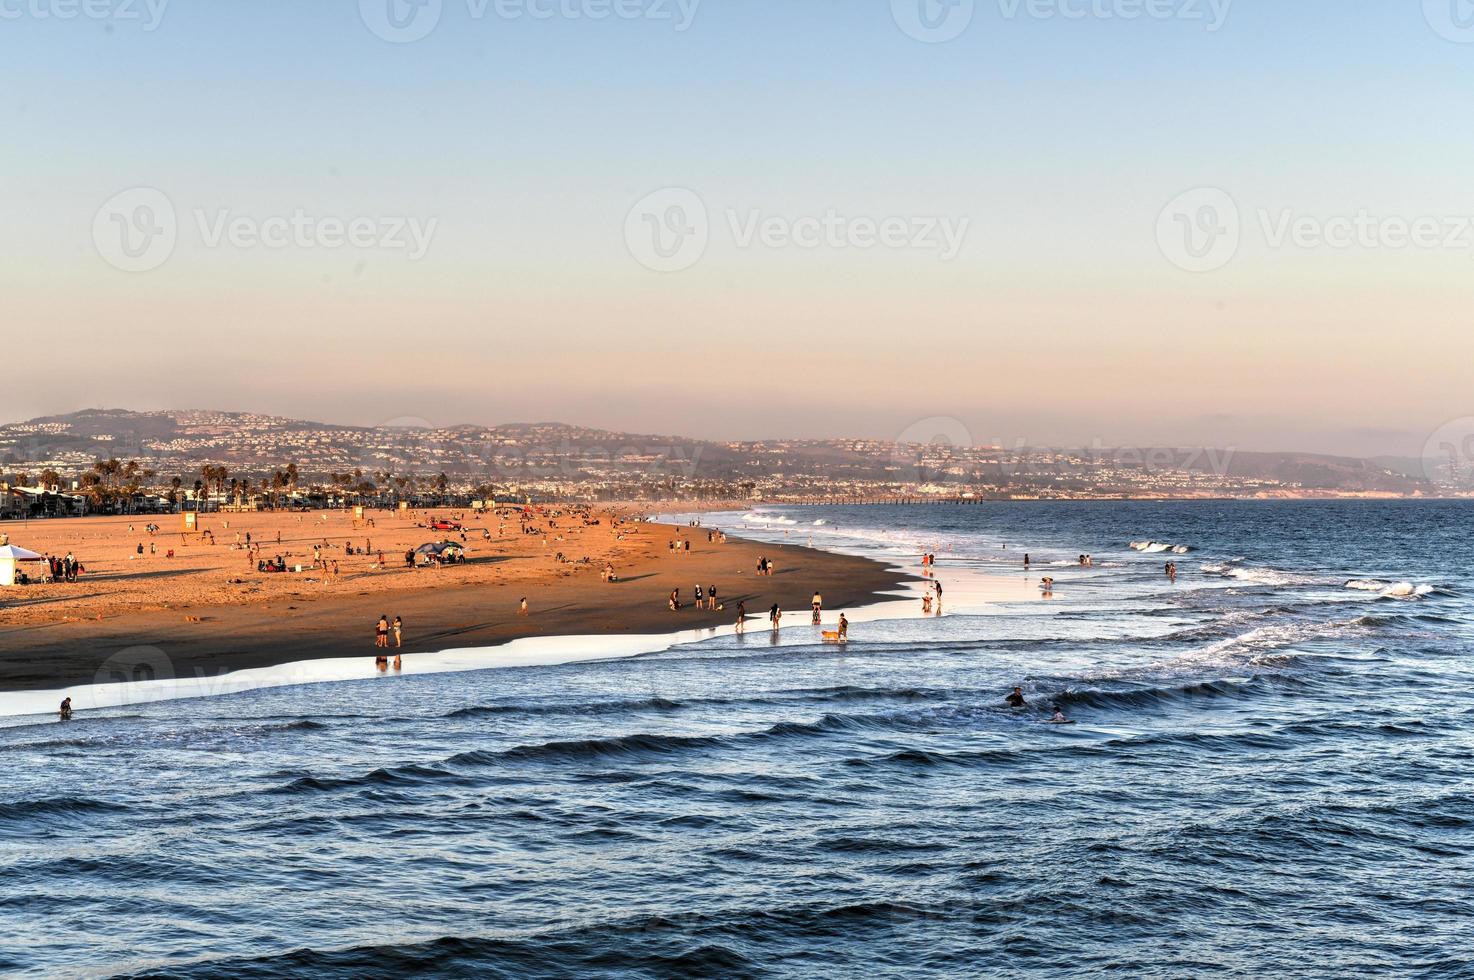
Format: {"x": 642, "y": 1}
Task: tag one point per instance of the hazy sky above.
{"x": 1236, "y": 224}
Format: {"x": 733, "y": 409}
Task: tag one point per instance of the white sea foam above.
{"x": 1157, "y": 547}
{"x": 1392, "y": 590}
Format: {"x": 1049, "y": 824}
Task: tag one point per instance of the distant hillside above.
{"x": 556, "y": 457}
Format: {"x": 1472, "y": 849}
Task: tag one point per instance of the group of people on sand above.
{"x": 765, "y": 565}
{"x": 53, "y": 569}
{"x": 381, "y": 640}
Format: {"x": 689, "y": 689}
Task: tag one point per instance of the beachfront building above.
{"x": 40, "y": 502}
{"x": 12, "y": 505}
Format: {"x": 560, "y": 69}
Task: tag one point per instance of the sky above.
{"x": 1240, "y": 223}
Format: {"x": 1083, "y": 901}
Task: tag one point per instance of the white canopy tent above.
{"x": 10, "y": 556}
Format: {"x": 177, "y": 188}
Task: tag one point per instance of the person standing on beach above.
{"x": 522, "y": 608}
{"x": 398, "y": 627}
{"x": 817, "y": 604}
{"x": 775, "y": 616}
{"x": 711, "y": 598}
{"x": 741, "y": 617}
{"x": 381, "y": 632}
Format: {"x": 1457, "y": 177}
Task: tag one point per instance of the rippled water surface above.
{"x": 1270, "y": 773}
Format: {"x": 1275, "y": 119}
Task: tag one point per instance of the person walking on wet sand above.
{"x": 817, "y": 605}
{"x": 522, "y": 607}
{"x": 741, "y": 617}
{"x": 775, "y": 616}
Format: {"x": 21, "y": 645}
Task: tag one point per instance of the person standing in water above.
{"x": 741, "y": 617}
{"x": 844, "y": 629}
{"x": 775, "y": 616}
{"x": 66, "y": 709}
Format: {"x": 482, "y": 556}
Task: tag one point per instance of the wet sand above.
{"x": 206, "y": 611}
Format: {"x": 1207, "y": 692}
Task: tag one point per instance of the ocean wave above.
{"x": 1172, "y": 695}
{"x": 1392, "y": 590}
{"x": 760, "y": 518}
{"x": 1233, "y": 569}
{"x": 1158, "y": 547}
{"x": 56, "y": 806}
{"x": 407, "y": 775}
{"x": 579, "y": 708}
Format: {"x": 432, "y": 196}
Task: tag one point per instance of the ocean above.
{"x": 1270, "y": 772}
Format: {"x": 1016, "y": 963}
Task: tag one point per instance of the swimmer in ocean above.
{"x": 1059, "y": 716}
{"x": 1016, "y": 699}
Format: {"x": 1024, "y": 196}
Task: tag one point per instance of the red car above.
{"x": 445, "y": 526}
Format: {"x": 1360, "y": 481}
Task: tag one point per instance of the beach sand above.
{"x": 207, "y": 610}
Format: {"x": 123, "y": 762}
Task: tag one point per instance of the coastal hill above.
{"x": 555, "y": 458}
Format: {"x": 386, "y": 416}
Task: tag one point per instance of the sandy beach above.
{"x": 208, "y": 610}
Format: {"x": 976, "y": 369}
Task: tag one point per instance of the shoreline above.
{"x": 213, "y": 642}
